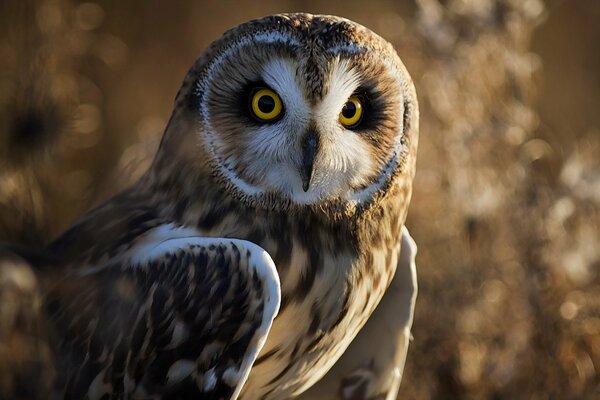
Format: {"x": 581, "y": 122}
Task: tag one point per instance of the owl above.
{"x": 244, "y": 262}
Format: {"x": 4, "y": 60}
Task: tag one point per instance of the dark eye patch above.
{"x": 374, "y": 106}
{"x": 243, "y": 105}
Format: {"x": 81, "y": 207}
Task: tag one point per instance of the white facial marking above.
{"x": 343, "y": 161}
{"x": 366, "y": 193}
{"x": 214, "y": 141}
{"x": 344, "y": 80}
{"x": 280, "y": 75}
{"x": 271, "y": 143}
{"x": 258, "y": 38}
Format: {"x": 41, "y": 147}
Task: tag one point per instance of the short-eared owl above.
{"x": 263, "y": 236}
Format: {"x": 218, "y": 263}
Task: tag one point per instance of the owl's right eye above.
{"x": 265, "y": 105}
{"x": 352, "y": 112}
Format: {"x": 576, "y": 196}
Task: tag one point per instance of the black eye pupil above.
{"x": 266, "y": 104}
{"x": 349, "y": 110}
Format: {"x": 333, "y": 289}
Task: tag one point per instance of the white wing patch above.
{"x": 169, "y": 238}
{"x": 160, "y": 241}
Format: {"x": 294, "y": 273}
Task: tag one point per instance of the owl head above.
{"x": 298, "y": 109}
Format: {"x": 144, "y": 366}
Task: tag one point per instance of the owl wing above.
{"x": 374, "y": 372}
{"x": 181, "y": 318}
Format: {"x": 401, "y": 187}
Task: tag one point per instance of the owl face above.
{"x": 310, "y": 109}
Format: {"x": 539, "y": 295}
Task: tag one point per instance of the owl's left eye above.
{"x": 265, "y": 105}
{"x": 352, "y": 112}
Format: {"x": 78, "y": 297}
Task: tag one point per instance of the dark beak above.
{"x": 310, "y": 147}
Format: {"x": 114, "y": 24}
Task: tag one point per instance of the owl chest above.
{"x": 318, "y": 320}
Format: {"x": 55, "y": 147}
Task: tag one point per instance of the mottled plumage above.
{"x": 178, "y": 315}
{"x": 169, "y": 289}
{"x": 371, "y": 368}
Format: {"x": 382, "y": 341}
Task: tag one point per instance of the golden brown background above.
{"x": 506, "y": 207}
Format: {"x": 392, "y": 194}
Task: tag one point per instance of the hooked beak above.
{"x": 310, "y": 147}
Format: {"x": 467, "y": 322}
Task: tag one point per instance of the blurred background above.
{"x": 506, "y": 205}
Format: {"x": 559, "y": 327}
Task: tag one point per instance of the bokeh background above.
{"x": 506, "y": 206}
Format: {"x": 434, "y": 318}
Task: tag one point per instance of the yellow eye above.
{"x": 265, "y": 105}
{"x": 351, "y": 112}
